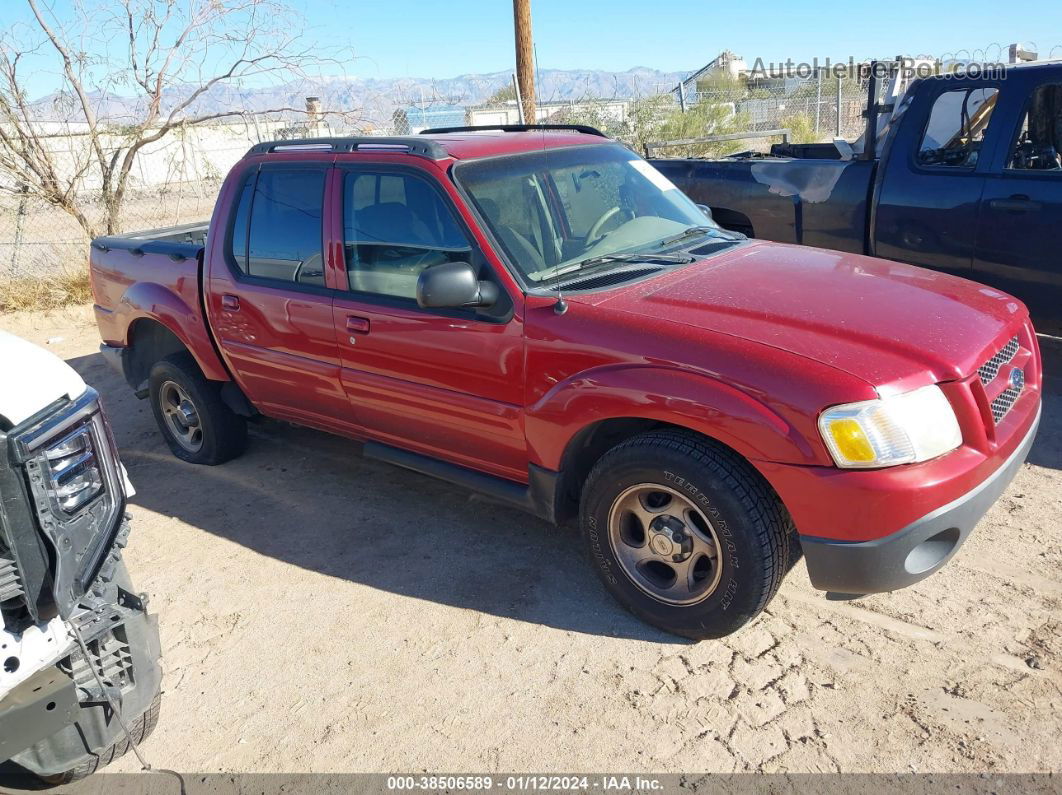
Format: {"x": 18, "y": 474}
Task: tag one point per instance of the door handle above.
{"x": 357, "y": 325}
{"x": 230, "y": 302}
{"x": 1015, "y": 204}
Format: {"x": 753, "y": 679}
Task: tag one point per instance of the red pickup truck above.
{"x": 540, "y": 315}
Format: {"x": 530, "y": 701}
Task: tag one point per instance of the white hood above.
{"x": 31, "y": 378}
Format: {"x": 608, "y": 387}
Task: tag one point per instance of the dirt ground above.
{"x": 320, "y": 612}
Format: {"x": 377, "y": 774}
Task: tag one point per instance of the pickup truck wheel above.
{"x": 196, "y": 423}
{"x": 685, "y": 533}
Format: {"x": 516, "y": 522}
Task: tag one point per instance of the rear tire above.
{"x": 196, "y": 423}
{"x": 685, "y": 534}
{"x": 141, "y": 729}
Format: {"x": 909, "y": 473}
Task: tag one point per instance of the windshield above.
{"x": 556, "y": 210}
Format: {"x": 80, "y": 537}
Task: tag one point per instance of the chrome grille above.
{"x": 1002, "y": 404}
{"x": 990, "y": 369}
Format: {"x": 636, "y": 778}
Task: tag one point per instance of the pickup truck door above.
{"x": 268, "y": 298}
{"x": 1021, "y": 208}
{"x": 931, "y": 177}
{"x": 445, "y": 383}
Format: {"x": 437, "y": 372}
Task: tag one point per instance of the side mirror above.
{"x": 704, "y": 208}
{"x": 453, "y": 284}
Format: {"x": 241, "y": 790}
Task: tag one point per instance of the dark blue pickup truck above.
{"x": 968, "y": 180}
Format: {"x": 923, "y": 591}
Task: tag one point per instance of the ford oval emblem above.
{"x": 1017, "y": 379}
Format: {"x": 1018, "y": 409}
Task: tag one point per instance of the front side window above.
{"x": 558, "y": 210}
{"x": 1039, "y": 143}
{"x": 395, "y": 225}
{"x": 281, "y": 236}
{"x": 956, "y": 128}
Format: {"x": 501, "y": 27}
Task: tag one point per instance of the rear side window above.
{"x": 956, "y": 128}
{"x": 1039, "y": 143}
{"x": 279, "y": 236}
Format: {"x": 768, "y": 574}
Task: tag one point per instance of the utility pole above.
{"x": 525, "y": 58}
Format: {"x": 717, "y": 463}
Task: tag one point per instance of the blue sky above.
{"x": 445, "y": 39}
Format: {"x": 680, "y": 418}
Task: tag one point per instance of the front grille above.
{"x": 10, "y": 585}
{"x": 1003, "y": 385}
{"x": 990, "y": 369}
{"x": 110, "y": 657}
{"x": 1002, "y": 404}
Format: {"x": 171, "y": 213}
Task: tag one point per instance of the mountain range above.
{"x": 373, "y": 99}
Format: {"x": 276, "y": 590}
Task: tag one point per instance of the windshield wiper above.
{"x": 604, "y": 259}
{"x": 693, "y": 231}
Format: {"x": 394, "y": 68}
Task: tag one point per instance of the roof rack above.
{"x": 406, "y": 144}
{"x": 583, "y": 128}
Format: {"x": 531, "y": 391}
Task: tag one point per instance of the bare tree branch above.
{"x": 171, "y": 54}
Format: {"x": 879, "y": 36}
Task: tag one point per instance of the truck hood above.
{"x": 33, "y": 379}
{"x": 887, "y": 323}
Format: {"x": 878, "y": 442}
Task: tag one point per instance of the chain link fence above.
{"x": 37, "y": 238}
{"x": 173, "y": 182}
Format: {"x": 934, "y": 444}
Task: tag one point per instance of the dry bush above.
{"x": 62, "y": 288}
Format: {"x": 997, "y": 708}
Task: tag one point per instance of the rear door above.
{"x": 270, "y": 301}
{"x": 446, "y": 383}
{"x": 931, "y": 181}
{"x": 1021, "y": 208}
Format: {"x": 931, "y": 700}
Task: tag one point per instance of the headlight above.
{"x": 75, "y": 478}
{"x": 75, "y": 483}
{"x": 902, "y": 429}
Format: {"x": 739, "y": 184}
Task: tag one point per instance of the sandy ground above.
{"x": 321, "y": 612}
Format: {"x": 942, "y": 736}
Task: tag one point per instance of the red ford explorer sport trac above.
{"x": 540, "y": 315}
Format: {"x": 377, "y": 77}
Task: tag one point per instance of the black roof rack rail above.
{"x": 583, "y": 128}
{"x": 391, "y": 143}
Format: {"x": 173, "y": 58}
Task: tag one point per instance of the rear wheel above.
{"x": 196, "y": 423}
{"x": 685, "y": 533}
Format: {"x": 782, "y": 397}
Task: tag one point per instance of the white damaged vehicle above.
{"x": 79, "y": 653}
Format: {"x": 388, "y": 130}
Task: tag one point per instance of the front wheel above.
{"x": 685, "y": 533}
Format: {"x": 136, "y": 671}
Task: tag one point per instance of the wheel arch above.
{"x": 155, "y": 318}
{"x": 580, "y": 420}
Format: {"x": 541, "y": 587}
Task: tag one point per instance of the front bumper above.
{"x": 919, "y": 549}
{"x": 58, "y": 719}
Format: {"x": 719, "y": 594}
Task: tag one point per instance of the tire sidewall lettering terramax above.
{"x": 722, "y": 599}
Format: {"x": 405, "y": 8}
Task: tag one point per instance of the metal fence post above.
{"x": 837, "y": 133}
{"x": 20, "y": 220}
{"x": 818, "y": 99}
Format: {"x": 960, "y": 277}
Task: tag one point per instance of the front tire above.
{"x": 140, "y": 730}
{"x": 196, "y": 423}
{"x": 685, "y": 534}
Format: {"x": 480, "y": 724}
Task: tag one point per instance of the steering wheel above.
{"x": 594, "y": 234}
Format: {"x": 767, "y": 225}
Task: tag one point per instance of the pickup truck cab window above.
{"x": 277, "y": 227}
{"x": 956, "y": 128}
{"x": 394, "y": 226}
{"x": 1038, "y": 146}
{"x": 555, "y": 209}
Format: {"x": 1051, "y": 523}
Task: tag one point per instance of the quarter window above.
{"x": 1039, "y": 143}
{"x": 957, "y": 127}
{"x": 394, "y": 226}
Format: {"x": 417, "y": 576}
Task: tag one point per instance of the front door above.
{"x": 1021, "y": 209}
{"x": 926, "y": 203}
{"x": 446, "y": 383}
{"x": 269, "y": 304}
